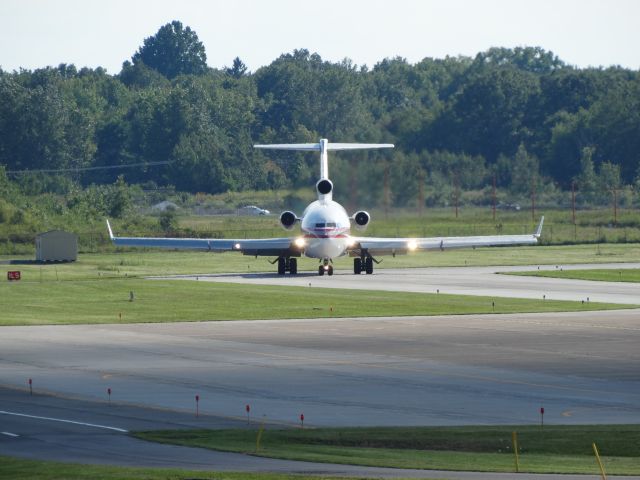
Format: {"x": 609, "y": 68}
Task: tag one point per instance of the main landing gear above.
{"x": 287, "y": 264}
{"x": 363, "y": 264}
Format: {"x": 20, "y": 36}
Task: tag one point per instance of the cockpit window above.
{"x": 331, "y": 224}
{"x": 320, "y": 225}
{"x": 326, "y": 225}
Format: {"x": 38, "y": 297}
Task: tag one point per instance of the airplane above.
{"x": 326, "y": 229}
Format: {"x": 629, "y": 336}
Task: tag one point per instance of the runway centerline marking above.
{"x": 9, "y": 434}
{"x": 62, "y": 420}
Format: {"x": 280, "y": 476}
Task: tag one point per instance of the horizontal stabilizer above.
{"x": 316, "y": 147}
{"x": 357, "y": 146}
{"x": 303, "y": 147}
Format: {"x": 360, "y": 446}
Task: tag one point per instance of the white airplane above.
{"x": 325, "y": 230}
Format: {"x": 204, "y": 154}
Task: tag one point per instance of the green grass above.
{"x": 20, "y": 469}
{"x": 107, "y": 301}
{"x": 554, "y": 449}
{"x": 604, "y": 275}
{"x": 95, "y": 289}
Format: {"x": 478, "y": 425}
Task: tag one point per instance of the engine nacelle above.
{"x": 324, "y": 186}
{"x": 361, "y": 219}
{"x": 288, "y": 220}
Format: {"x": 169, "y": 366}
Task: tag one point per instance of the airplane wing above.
{"x": 393, "y": 246}
{"x": 247, "y": 246}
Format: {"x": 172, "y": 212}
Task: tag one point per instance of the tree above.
{"x": 118, "y": 198}
{"x": 524, "y": 171}
{"x": 609, "y": 178}
{"x": 238, "y": 70}
{"x": 587, "y": 179}
{"x": 168, "y": 220}
{"x": 531, "y": 59}
{"x": 173, "y": 51}
{"x": 489, "y": 115}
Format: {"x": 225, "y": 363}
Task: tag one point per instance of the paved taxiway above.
{"x": 475, "y": 369}
{"x": 53, "y": 438}
{"x": 457, "y": 280}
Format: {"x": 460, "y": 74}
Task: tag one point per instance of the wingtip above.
{"x": 539, "y": 229}
{"x": 109, "y": 228}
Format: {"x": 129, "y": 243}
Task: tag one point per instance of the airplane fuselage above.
{"x": 326, "y": 229}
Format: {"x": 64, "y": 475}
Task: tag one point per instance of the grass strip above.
{"x": 108, "y": 301}
{"x": 554, "y": 449}
{"x": 140, "y": 262}
{"x": 21, "y": 469}
{"x": 631, "y": 275}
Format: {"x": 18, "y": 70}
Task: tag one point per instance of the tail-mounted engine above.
{"x": 361, "y": 219}
{"x": 288, "y": 220}
{"x": 324, "y": 186}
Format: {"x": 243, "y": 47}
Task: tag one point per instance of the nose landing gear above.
{"x": 325, "y": 268}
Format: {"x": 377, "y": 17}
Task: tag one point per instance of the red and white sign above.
{"x": 13, "y": 275}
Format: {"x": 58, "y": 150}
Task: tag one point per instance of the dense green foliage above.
{"x": 521, "y": 114}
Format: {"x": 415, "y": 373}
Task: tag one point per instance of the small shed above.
{"x": 56, "y": 246}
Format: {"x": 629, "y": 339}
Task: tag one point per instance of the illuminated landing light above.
{"x": 351, "y": 243}
{"x": 236, "y": 246}
{"x": 299, "y": 242}
{"x": 412, "y": 245}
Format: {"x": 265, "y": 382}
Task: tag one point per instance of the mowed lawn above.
{"x": 108, "y": 301}
{"x": 22, "y": 469}
{"x": 552, "y": 449}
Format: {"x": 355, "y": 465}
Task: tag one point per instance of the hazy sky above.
{"x": 37, "y": 33}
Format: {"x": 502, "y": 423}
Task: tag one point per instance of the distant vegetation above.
{"x": 79, "y": 144}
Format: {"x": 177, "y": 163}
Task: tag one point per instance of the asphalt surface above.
{"x": 457, "y": 280}
{"x": 448, "y": 370}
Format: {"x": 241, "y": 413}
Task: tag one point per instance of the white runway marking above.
{"x": 9, "y": 434}
{"x": 2, "y": 412}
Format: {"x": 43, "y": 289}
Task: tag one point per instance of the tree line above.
{"x": 521, "y": 117}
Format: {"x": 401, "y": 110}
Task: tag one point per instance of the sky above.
{"x": 92, "y": 33}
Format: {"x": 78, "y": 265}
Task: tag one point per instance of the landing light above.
{"x": 351, "y": 242}
{"x": 412, "y": 245}
{"x": 299, "y": 242}
{"x": 236, "y": 246}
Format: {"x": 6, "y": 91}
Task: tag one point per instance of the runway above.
{"x": 447, "y": 370}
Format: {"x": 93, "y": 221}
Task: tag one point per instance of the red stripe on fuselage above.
{"x": 326, "y": 233}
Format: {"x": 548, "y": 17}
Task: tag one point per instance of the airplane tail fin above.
{"x": 323, "y": 146}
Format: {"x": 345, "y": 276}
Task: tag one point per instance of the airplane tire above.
{"x": 368, "y": 265}
{"x": 330, "y": 271}
{"x": 282, "y": 265}
{"x": 293, "y": 266}
{"x": 321, "y": 270}
{"x": 357, "y": 266}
